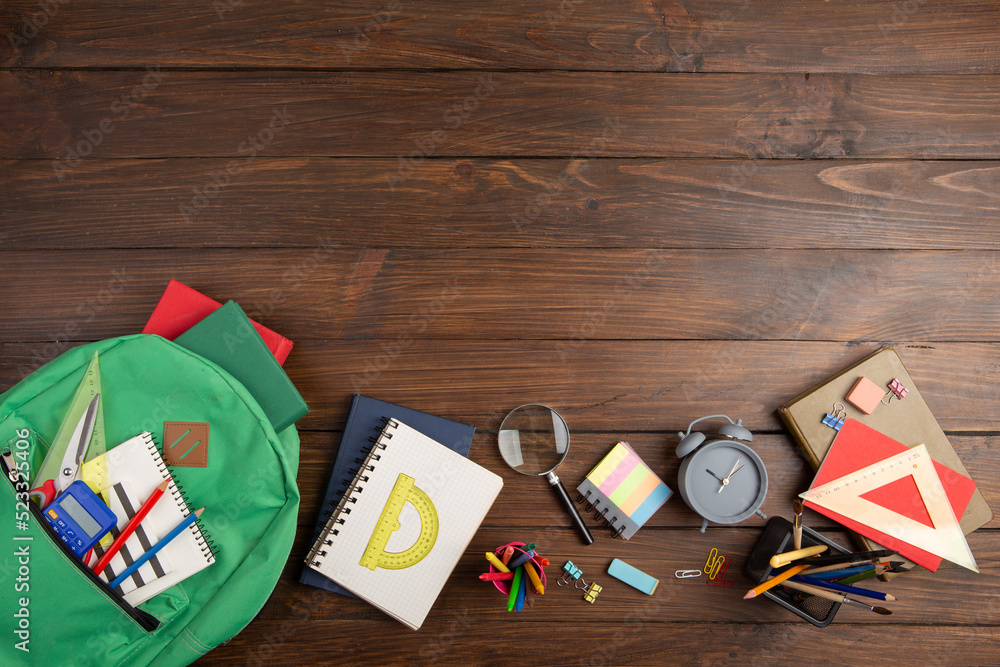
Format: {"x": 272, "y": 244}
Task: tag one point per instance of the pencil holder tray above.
{"x": 777, "y": 538}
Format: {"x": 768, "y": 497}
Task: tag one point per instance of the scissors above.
{"x": 75, "y": 451}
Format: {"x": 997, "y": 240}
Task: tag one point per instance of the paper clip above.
{"x": 592, "y": 592}
{"x": 897, "y": 390}
{"x": 571, "y": 573}
{"x": 687, "y": 574}
{"x": 716, "y": 567}
{"x": 835, "y": 419}
{"x": 713, "y": 563}
{"x": 718, "y": 577}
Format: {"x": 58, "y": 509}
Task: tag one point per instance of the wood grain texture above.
{"x": 627, "y": 386}
{"x": 400, "y": 295}
{"x": 640, "y": 643}
{"x": 668, "y": 36}
{"x": 74, "y": 115}
{"x": 638, "y": 212}
{"x": 483, "y": 202}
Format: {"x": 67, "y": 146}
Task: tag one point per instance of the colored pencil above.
{"x": 773, "y": 581}
{"x": 843, "y": 588}
{"x": 830, "y": 575}
{"x": 130, "y": 527}
{"x": 878, "y": 570}
{"x": 141, "y": 560}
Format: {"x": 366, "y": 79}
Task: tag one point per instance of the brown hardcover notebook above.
{"x": 907, "y": 420}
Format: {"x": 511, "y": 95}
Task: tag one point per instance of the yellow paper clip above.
{"x": 592, "y": 592}
{"x": 714, "y": 563}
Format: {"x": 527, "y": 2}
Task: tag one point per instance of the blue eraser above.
{"x": 634, "y": 577}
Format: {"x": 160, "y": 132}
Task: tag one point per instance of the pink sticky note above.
{"x": 865, "y": 395}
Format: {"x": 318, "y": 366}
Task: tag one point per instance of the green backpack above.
{"x": 54, "y": 612}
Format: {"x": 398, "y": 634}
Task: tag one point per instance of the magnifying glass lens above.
{"x": 534, "y": 440}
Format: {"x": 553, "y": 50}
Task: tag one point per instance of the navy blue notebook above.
{"x": 365, "y": 420}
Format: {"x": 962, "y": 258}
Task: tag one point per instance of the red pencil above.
{"x": 130, "y": 527}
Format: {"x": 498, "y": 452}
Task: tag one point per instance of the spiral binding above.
{"x": 317, "y": 553}
{"x": 176, "y": 491}
{"x": 601, "y": 515}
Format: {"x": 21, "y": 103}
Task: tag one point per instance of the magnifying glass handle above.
{"x": 571, "y": 509}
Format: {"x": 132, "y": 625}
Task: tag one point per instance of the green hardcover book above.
{"x": 227, "y": 338}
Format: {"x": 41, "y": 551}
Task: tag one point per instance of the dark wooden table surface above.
{"x": 638, "y": 213}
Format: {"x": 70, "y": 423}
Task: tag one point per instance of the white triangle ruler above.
{"x": 945, "y": 539}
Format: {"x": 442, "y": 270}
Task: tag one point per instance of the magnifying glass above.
{"x": 534, "y": 440}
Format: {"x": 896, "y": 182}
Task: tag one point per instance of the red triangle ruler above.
{"x": 944, "y": 538}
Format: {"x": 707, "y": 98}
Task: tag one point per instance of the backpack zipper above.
{"x": 145, "y": 620}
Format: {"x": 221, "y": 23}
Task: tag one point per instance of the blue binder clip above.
{"x": 571, "y": 573}
{"x": 835, "y": 419}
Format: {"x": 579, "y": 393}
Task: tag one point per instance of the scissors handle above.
{"x": 43, "y": 494}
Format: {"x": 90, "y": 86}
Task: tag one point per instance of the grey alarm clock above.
{"x": 721, "y": 478}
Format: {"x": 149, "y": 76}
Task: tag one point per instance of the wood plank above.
{"x": 73, "y": 115}
{"x": 403, "y": 295}
{"x": 482, "y": 202}
{"x": 698, "y": 35}
{"x": 620, "y": 386}
{"x": 788, "y": 475}
{"x": 641, "y": 643}
{"x": 659, "y": 553}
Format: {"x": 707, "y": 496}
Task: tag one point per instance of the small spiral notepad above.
{"x": 135, "y": 469}
{"x": 404, "y": 522}
{"x": 623, "y": 491}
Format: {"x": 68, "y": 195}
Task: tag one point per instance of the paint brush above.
{"x": 797, "y": 528}
{"x": 835, "y": 597}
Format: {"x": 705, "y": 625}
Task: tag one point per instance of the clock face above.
{"x": 723, "y": 481}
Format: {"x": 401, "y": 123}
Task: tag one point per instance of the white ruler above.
{"x": 944, "y": 540}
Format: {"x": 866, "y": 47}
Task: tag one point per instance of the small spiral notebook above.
{"x": 406, "y": 519}
{"x": 135, "y": 469}
{"x": 623, "y": 491}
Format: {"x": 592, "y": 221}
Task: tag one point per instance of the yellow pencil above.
{"x": 774, "y": 581}
{"x": 491, "y": 557}
{"x": 535, "y": 580}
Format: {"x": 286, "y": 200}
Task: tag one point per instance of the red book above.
{"x": 181, "y": 307}
{"x": 858, "y": 446}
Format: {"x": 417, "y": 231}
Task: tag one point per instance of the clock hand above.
{"x": 736, "y": 468}
{"x": 713, "y": 474}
